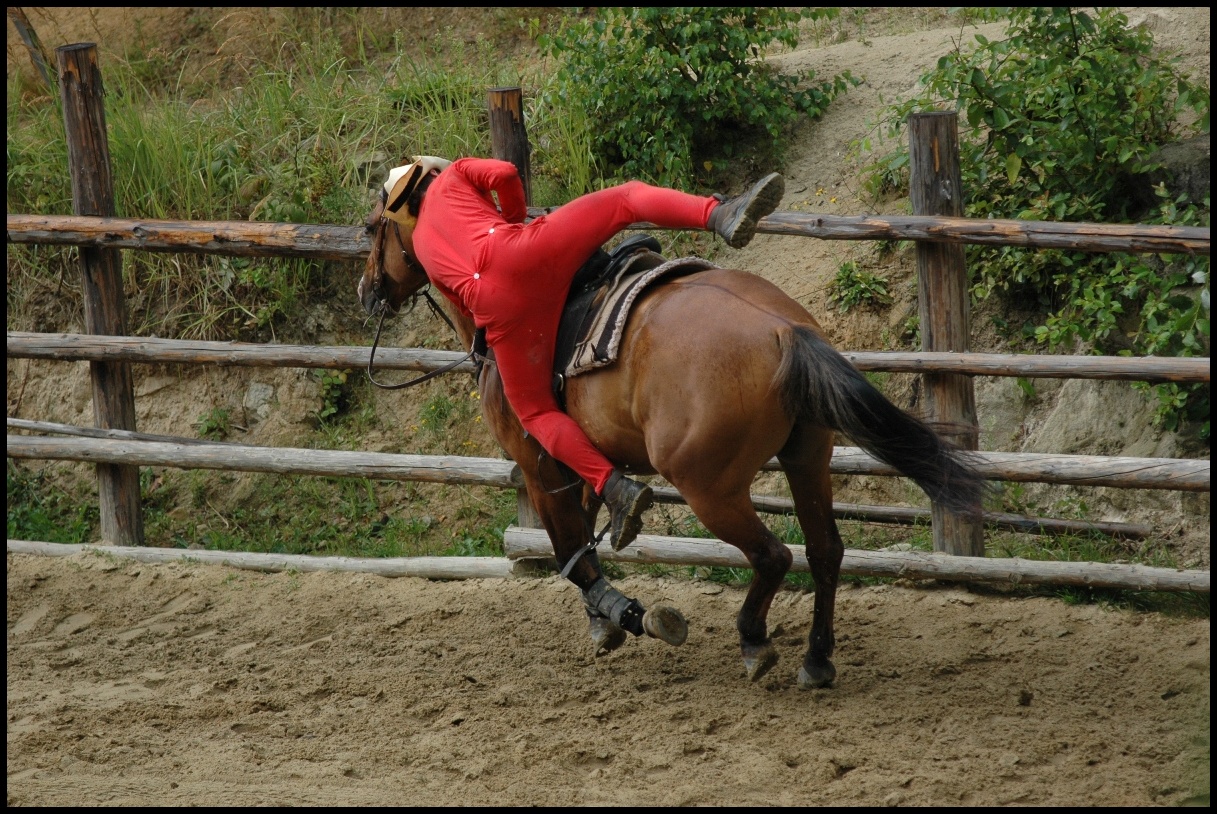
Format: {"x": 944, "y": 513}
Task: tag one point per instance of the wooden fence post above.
{"x": 32, "y": 42}
{"x": 508, "y": 136}
{"x": 84, "y": 119}
{"x": 509, "y": 142}
{"x": 942, "y": 290}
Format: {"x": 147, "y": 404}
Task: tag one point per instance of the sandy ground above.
{"x": 131, "y": 684}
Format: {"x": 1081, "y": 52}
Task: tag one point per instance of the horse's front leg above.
{"x": 567, "y": 510}
{"x": 567, "y": 516}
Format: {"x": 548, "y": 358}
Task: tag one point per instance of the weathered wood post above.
{"x": 508, "y": 136}
{"x": 509, "y": 142}
{"x": 33, "y": 44}
{"x": 942, "y": 291}
{"x": 101, "y": 271}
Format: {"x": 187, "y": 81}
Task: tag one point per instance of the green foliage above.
{"x": 214, "y": 424}
{"x": 856, "y": 286}
{"x": 1058, "y": 117}
{"x": 335, "y": 394}
{"x": 484, "y": 536}
{"x": 333, "y": 516}
{"x": 41, "y": 511}
{"x": 437, "y": 412}
{"x": 302, "y": 138}
{"x": 670, "y": 91}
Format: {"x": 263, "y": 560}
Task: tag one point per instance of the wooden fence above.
{"x": 118, "y": 450}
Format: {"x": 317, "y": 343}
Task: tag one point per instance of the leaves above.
{"x": 1013, "y": 164}
{"x": 669, "y": 90}
{"x": 1059, "y": 114}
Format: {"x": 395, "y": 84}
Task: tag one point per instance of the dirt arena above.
{"x": 132, "y": 684}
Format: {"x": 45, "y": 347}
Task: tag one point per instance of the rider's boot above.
{"x": 627, "y": 499}
{"x": 735, "y": 219}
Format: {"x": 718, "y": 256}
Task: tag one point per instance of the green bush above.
{"x": 856, "y": 286}
{"x": 672, "y": 91}
{"x": 1058, "y": 119}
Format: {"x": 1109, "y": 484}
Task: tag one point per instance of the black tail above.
{"x": 820, "y": 386}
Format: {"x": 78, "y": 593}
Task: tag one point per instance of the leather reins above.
{"x": 383, "y": 304}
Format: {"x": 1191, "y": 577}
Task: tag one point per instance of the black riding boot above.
{"x": 735, "y": 220}
{"x": 627, "y": 500}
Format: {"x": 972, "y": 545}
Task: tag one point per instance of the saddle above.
{"x": 601, "y": 295}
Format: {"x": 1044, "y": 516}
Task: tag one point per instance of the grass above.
{"x": 301, "y": 135}
{"x": 39, "y": 509}
{"x": 349, "y": 517}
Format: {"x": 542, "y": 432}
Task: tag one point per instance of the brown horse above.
{"x": 718, "y": 372}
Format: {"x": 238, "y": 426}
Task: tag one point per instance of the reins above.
{"x": 384, "y": 309}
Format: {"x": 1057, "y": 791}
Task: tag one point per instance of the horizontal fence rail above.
{"x": 909, "y": 516}
{"x": 1081, "y": 470}
{"x": 237, "y": 238}
{"x": 450, "y": 469}
{"x": 898, "y": 515}
{"x": 424, "y": 567}
{"x": 522, "y": 543}
{"x": 1078, "y": 470}
{"x": 94, "y": 348}
{"x": 1112, "y": 368}
{"x": 325, "y": 242}
{"x": 1032, "y": 234}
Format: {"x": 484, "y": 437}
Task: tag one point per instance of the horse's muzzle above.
{"x": 368, "y": 298}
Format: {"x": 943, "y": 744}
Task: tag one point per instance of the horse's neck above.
{"x": 463, "y": 324}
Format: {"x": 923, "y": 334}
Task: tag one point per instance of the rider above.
{"x": 512, "y": 277}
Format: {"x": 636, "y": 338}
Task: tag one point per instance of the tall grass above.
{"x": 302, "y": 135}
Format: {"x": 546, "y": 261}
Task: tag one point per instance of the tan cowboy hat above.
{"x": 403, "y": 181}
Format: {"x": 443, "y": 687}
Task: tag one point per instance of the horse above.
{"x": 718, "y": 372}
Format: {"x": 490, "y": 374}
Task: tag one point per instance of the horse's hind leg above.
{"x": 805, "y": 459}
{"x": 728, "y": 514}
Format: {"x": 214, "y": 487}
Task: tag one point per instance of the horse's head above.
{"x": 393, "y": 272}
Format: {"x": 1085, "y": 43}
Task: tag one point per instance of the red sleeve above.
{"x": 501, "y": 176}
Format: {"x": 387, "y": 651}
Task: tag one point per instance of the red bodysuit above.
{"x": 513, "y": 277}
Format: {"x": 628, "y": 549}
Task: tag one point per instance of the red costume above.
{"x": 513, "y": 277}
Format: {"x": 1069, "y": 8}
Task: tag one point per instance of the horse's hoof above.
{"x": 758, "y": 660}
{"x": 606, "y": 637}
{"x": 666, "y": 624}
{"x": 817, "y": 677}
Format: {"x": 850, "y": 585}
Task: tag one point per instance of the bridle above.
{"x": 382, "y": 305}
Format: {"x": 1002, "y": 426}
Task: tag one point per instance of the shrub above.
{"x": 856, "y": 286}
{"x": 671, "y": 90}
{"x": 1058, "y": 117}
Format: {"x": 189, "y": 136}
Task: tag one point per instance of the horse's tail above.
{"x": 819, "y": 385}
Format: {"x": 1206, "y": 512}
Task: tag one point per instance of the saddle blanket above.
{"x": 600, "y": 343}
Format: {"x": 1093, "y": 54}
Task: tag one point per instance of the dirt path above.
{"x": 131, "y": 684}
